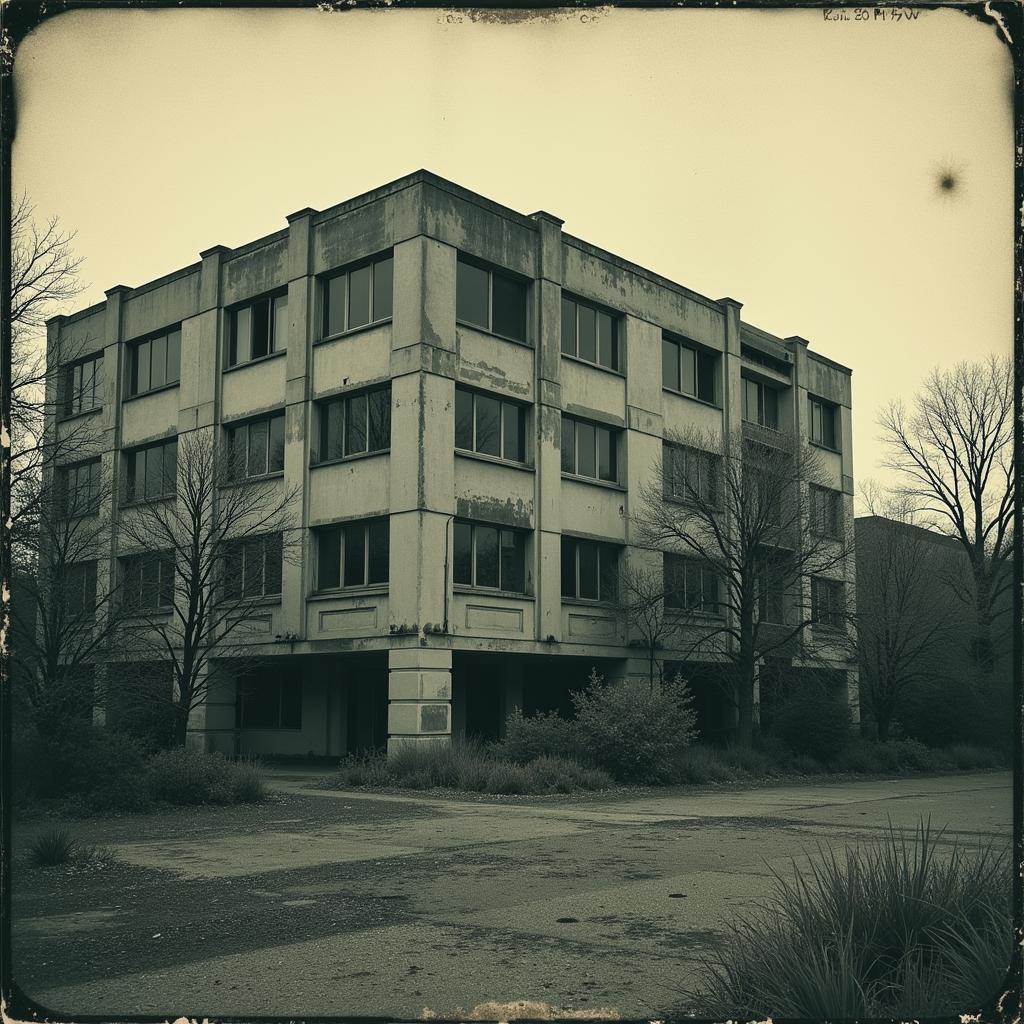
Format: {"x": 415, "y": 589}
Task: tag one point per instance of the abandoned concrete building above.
{"x": 466, "y": 401}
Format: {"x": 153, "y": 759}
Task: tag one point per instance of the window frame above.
{"x": 319, "y": 457}
{"x": 474, "y": 525}
{"x": 64, "y": 509}
{"x": 132, "y": 389}
{"x": 139, "y": 558}
{"x": 762, "y": 405}
{"x": 131, "y": 496}
{"x": 491, "y": 270}
{"x": 821, "y": 500}
{"x": 615, "y": 435}
{"x": 267, "y": 542}
{"x": 231, "y": 359}
{"x": 280, "y": 683}
{"x": 67, "y": 403}
{"x": 821, "y": 406}
{"x": 705, "y": 461}
{"x": 836, "y": 591}
{"x": 88, "y": 587}
{"x": 345, "y": 273}
{"x": 366, "y": 524}
{"x": 234, "y": 477}
{"x": 522, "y": 410}
{"x": 673, "y": 563}
{"x": 598, "y": 309}
{"x": 602, "y": 548}
{"x": 699, "y": 352}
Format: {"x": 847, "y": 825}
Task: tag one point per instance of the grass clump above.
{"x": 54, "y": 847}
{"x": 908, "y": 926}
{"x": 185, "y": 777}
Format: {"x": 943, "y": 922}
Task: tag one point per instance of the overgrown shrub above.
{"x": 183, "y": 776}
{"x": 635, "y": 731}
{"x": 565, "y": 775}
{"x": 698, "y": 764}
{"x": 903, "y": 927}
{"x": 54, "y": 847}
{"x": 528, "y": 737}
{"x": 968, "y": 756}
{"x": 812, "y": 721}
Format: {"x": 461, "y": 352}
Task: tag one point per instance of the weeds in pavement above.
{"x": 54, "y": 847}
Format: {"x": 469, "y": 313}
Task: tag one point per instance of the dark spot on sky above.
{"x": 947, "y": 182}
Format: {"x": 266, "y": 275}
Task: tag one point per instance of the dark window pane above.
{"x": 771, "y": 408}
{"x": 588, "y": 569}
{"x": 586, "y": 449}
{"x": 257, "y": 459}
{"x": 693, "y": 586}
{"x": 261, "y": 703}
{"x": 609, "y": 566}
{"x": 166, "y": 580}
{"x": 463, "y": 419}
{"x": 828, "y": 423}
{"x": 509, "y": 307}
{"x": 709, "y": 588}
{"x": 513, "y": 432}
{"x": 568, "y": 567}
{"x": 688, "y": 370}
{"x": 291, "y": 703}
{"x": 606, "y": 341}
{"x": 486, "y": 556}
{"x": 462, "y": 559}
{"x": 568, "y": 445}
{"x": 241, "y": 351}
{"x": 513, "y": 561}
{"x": 471, "y": 299}
{"x": 606, "y": 468}
{"x": 274, "y": 555}
{"x": 158, "y": 362}
{"x": 379, "y": 551}
{"x": 233, "y": 571}
{"x": 170, "y": 467}
{"x": 379, "y": 413}
{"x": 568, "y": 326}
{"x": 355, "y": 555}
{"x": 383, "y": 274}
{"x": 276, "y": 444}
{"x": 488, "y": 425}
{"x": 749, "y": 401}
{"x": 261, "y": 328}
{"x": 155, "y": 472}
{"x": 587, "y": 333}
{"x": 331, "y": 430}
{"x": 672, "y": 581}
{"x": 236, "y": 452}
{"x": 142, "y": 362}
{"x": 252, "y": 570}
{"x": 705, "y": 376}
{"x": 97, "y": 381}
{"x": 359, "y": 297}
{"x": 334, "y": 305}
{"x": 328, "y": 566}
{"x": 173, "y": 356}
{"x": 279, "y": 342}
{"x": 355, "y": 425}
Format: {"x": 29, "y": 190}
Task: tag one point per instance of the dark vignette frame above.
{"x": 20, "y": 17}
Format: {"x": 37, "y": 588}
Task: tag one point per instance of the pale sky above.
{"x": 785, "y": 160}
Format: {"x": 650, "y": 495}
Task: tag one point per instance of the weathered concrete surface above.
{"x": 583, "y": 904}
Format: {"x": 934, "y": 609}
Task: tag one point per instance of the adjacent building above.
{"x": 466, "y": 401}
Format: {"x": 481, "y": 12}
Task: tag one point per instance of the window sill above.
{"x": 606, "y": 484}
{"x": 267, "y": 601}
{"x": 824, "y": 447}
{"x": 492, "y": 334}
{"x": 684, "y": 613}
{"x": 256, "y": 361}
{"x": 269, "y": 728}
{"x": 692, "y": 398}
{"x": 151, "y": 613}
{"x": 465, "y": 453}
{"x": 79, "y": 415}
{"x": 141, "y": 502}
{"x": 590, "y": 602}
{"x": 278, "y": 474}
{"x": 316, "y": 464}
{"x": 705, "y": 505}
{"x": 594, "y": 366}
{"x": 465, "y": 588}
{"x": 151, "y": 391}
{"x": 352, "y": 331}
{"x": 373, "y": 590}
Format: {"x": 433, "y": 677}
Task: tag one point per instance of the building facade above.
{"x": 466, "y": 402}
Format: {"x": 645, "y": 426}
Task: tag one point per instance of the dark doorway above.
{"x": 367, "y": 711}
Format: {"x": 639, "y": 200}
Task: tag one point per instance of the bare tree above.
{"x": 954, "y": 451}
{"x": 196, "y": 566}
{"x": 904, "y": 615}
{"x": 744, "y": 539}
{"x": 641, "y": 599}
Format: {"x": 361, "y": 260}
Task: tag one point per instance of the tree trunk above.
{"x": 745, "y": 683}
{"x": 179, "y": 726}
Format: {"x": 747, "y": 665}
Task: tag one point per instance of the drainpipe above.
{"x": 446, "y": 543}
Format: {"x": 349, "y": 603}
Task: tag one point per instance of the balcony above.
{"x": 767, "y": 436}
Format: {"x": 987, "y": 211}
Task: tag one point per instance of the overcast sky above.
{"x": 789, "y": 161}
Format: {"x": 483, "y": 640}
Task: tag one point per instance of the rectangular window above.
{"x": 154, "y": 362}
{"x": 823, "y": 422}
{"x": 489, "y": 556}
{"x": 78, "y": 488}
{"x": 690, "y": 475}
{"x": 827, "y": 605}
{"x": 147, "y": 581}
{"x": 589, "y": 569}
{"x": 826, "y": 512}
{"x": 770, "y": 597}
{"x": 590, "y": 333}
{"x": 355, "y": 424}
{"x": 252, "y": 567}
{"x": 151, "y": 472}
{"x": 352, "y": 554}
{"x": 691, "y": 585}
{"x": 80, "y": 590}
{"x": 258, "y": 329}
{"x": 760, "y": 404}
{"x": 688, "y": 369}
{"x": 255, "y": 448}
{"x": 358, "y": 296}
{"x": 489, "y": 425}
{"x": 269, "y": 699}
{"x": 589, "y": 449}
{"x": 491, "y": 300}
{"x": 83, "y": 386}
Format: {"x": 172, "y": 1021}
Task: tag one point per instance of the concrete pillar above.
{"x": 211, "y": 725}
{"x": 419, "y": 696}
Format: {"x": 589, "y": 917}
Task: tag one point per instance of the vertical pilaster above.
{"x": 732, "y": 395}
{"x": 419, "y": 696}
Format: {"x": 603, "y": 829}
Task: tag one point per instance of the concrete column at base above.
{"x": 211, "y": 725}
{"x": 853, "y": 695}
{"x": 419, "y": 696}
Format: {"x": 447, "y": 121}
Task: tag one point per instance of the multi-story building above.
{"x": 466, "y": 401}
